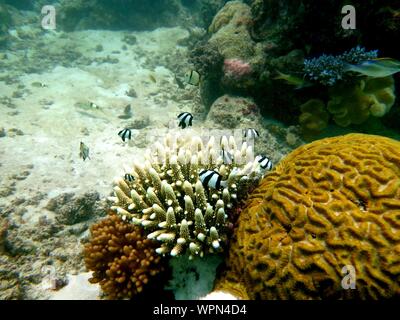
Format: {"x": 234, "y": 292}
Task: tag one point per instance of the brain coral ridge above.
{"x": 329, "y": 204}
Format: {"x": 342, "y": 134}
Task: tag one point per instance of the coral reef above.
{"x": 123, "y": 260}
{"x": 236, "y": 68}
{"x": 329, "y": 204}
{"x": 167, "y": 198}
{"x": 230, "y": 35}
{"x": 353, "y": 104}
{"x": 328, "y": 69}
{"x": 208, "y": 61}
{"x": 237, "y": 73}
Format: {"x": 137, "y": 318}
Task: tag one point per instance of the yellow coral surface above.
{"x": 329, "y": 205}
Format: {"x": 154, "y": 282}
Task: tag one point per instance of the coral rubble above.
{"x": 329, "y": 206}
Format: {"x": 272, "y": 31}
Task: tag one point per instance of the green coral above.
{"x": 353, "y": 104}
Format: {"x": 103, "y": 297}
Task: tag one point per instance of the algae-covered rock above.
{"x": 233, "y": 112}
{"x": 71, "y": 209}
{"x": 229, "y": 61}
{"x": 230, "y": 33}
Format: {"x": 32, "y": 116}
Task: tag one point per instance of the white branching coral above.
{"x": 165, "y": 195}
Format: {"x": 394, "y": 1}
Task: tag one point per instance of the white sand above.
{"x": 52, "y": 134}
{"x": 49, "y": 148}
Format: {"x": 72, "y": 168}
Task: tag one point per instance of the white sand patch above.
{"x": 78, "y": 288}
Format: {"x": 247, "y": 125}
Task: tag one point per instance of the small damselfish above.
{"x": 185, "y": 120}
{"x": 129, "y": 177}
{"x": 227, "y": 157}
{"x": 264, "y": 162}
{"x": 83, "y": 151}
{"x": 251, "y": 133}
{"x": 212, "y": 179}
{"x": 125, "y": 134}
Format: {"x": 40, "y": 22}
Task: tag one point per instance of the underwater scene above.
{"x": 199, "y": 150}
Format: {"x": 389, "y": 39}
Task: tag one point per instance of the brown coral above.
{"x": 122, "y": 258}
{"x": 329, "y": 204}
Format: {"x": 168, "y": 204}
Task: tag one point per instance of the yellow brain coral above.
{"x": 329, "y": 204}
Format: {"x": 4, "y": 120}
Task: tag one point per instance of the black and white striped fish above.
{"x": 129, "y": 177}
{"x": 125, "y": 134}
{"x": 264, "y": 162}
{"x": 185, "y": 120}
{"x": 212, "y": 179}
{"x": 251, "y": 133}
{"x": 227, "y": 157}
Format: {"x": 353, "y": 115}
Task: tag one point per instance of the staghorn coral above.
{"x": 328, "y": 69}
{"x": 353, "y": 104}
{"x": 168, "y": 199}
{"x": 329, "y": 204}
{"x": 122, "y": 259}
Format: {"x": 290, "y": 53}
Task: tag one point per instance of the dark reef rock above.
{"x": 135, "y": 14}
{"x": 118, "y": 14}
{"x": 5, "y": 23}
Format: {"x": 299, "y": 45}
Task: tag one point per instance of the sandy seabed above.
{"x": 42, "y": 126}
